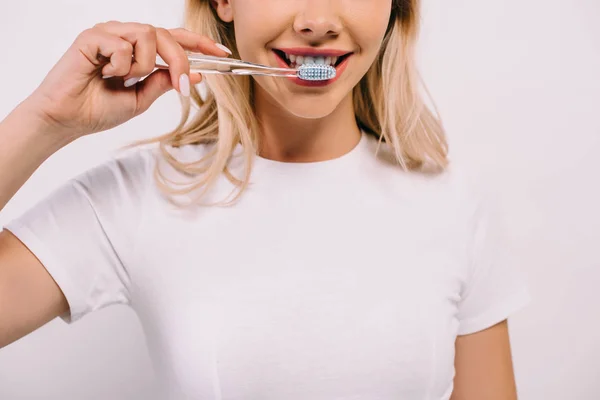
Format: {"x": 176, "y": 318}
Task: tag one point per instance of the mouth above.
{"x": 294, "y": 58}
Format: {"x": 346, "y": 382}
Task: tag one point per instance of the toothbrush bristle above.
{"x": 316, "y": 72}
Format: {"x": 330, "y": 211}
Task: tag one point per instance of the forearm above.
{"x": 26, "y": 141}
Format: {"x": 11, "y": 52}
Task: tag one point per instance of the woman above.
{"x": 286, "y": 241}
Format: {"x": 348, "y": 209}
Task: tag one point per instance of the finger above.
{"x": 143, "y": 39}
{"x": 120, "y": 60}
{"x": 151, "y": 88}
{"x": 104, "y": 51}
{"x": 112, "y": 54}
{"x": 195, "y": 78}
{"x": 155, "y": 85}
{"x": 175, "y": 57}
{"x": 195, "y": 42}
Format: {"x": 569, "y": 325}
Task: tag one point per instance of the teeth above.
{"x": 296, "y": 61}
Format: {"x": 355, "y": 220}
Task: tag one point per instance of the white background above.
{"x": 518, "y": 85}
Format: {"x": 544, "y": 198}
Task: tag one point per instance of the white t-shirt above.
{"x": 344, "y": 279}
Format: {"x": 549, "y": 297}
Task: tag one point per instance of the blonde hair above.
{"x": 387, "y": 104}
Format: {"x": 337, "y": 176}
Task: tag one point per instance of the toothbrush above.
{"x": 201, "y": 63}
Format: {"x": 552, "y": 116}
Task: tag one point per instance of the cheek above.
{"x": 257, "y": 25}
{"x": 248, "y": 37}
{"x": 367, "y": 22}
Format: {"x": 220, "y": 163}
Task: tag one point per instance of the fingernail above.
{"x": 131, "y": 81}
{"x": 184, "y": 85}
{"x": 107, "y": 76}
{"x": 225, "y": 49}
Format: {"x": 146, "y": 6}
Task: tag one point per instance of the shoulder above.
{"x": 465, "y": 203}
{"x": 453, "y": 203}
{"x": 454, "y": 189}
{"x": 125, "y": 171}
{"x": 133, "y": 170}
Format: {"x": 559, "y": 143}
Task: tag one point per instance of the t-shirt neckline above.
{"x": 343, "y": 159}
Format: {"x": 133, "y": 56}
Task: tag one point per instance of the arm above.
{"x": 29, "y": 297}
{"x": 25, "y": 143}
{"x": 73, "y": 101}
{"x": 483, "y": 364}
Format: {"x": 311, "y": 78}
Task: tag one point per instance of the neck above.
{"x": 288, "y": 138}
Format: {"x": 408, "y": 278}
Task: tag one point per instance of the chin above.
{"x": 310, "y": 112}
{"x": 310, "y": 107}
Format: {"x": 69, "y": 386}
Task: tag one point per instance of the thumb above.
{"x": 151, "y": 88}
{"x": 155, "y": 85}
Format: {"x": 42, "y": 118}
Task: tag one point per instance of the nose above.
{"x": 318, "y": 19}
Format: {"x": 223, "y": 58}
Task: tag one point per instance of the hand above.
{"x": 93, "y": 87}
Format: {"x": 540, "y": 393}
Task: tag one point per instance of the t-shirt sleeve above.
{"x": 84, "y": 232}
{"x": 494, "y": 287}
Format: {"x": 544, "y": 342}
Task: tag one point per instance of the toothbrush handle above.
{"x": 201, "y": 63}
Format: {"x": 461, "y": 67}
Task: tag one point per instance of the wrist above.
{"x": 25, "y": 133}
{"x": 38, "y": 127}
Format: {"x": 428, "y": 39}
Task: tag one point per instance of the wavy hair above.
{"x": 387, "y": 104}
